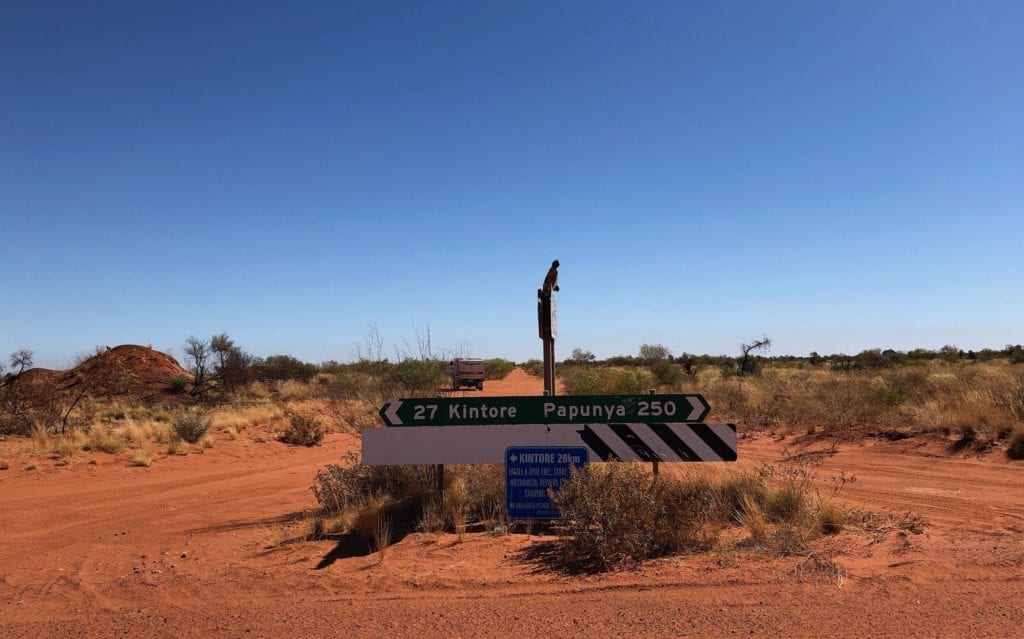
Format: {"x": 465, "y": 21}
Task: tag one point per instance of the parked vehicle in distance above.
{"x": 466, "y": 371}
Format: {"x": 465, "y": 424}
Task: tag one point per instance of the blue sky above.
{"x": 837, "y": 176}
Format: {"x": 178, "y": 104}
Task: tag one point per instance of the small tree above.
{"x": 651, "y": 353}
{"x": 232, "y": 367}
{"x": 21, "y": 359}
{"x": 580, "y": 356}
{"x": 746, "y": 363}
{"x": 197, "y": 356}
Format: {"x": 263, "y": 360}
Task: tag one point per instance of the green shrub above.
{"x": 666, "y": 373}
{"x": 534, "y": 367}
{"x": 177, "y": 384}
{"x": 419, "y": 376}
{"x": 338, "y": 488}
{"x": 191, "y": 426}
{"x": 786, "y": 503}
{"x": 621, "y": 514}
{"x": 405, "y": 495}
{"x": 739, "y": 490}
{"x": 497, "y": 368}
{"x": 603, "y": 380}
{"x": 609, "y": 516}
{"x": 304, "y": 431}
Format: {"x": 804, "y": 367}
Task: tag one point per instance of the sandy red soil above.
{"x": 195, "y": 546}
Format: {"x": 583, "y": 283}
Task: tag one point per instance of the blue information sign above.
{"x": 530, "y": 471}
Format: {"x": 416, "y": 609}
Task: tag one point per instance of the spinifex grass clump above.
{"x": 622, "y": 513}
{"x": 191, "y": 426}
{"x": 304, "y": 431}
{"x": 355, "y": 497}
{"x": 619, "y": 514}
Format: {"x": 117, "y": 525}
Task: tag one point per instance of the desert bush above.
{"x": 282, "y": 367}
{"x": 603, "y": 380}
{"x": 609, "y": 516}
{"x": 1015, "y": 446}
{"x": 404, "y": 495}
{"x": 472, "y": 493}
{"x": 497, "y": 368}
{"x": 737, "y": 491}
{"x": 304, "y": 431}
{"x": 343, "y": 487}
{"x": 191, "y": 426}
{"x": 785, "y": 503}
{"x": 417, "y": 377}
{"x": 102, "y": 440}
{"x": 831, "y": 517}
{"x": 177, "y": 384}
{"x": 666, "y": 373}
{"x": 621, "y": 514}
{"x": 534, "y": 367}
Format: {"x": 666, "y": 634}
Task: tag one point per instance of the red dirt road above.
{"x": 192, "y": 547}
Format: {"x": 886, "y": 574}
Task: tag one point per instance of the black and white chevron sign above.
{"x": 661, "y": 442}
{"x": 669, "y": 442}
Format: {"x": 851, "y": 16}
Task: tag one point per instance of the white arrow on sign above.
{"x": 698, "y": 408}
{"x": 392, "y": 412}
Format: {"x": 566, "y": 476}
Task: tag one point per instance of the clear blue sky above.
{"x": 837, "y": 176}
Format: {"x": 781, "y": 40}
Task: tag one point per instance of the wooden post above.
{"x": 546, "y": 328}
{"x": 440, "y": 485}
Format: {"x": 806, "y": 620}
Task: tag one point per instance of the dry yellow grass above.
{"x": 931, "y": 396}
{"x": 42, "y": 443}
{"x": 240, "y": 418}
{"x": 69, "y": 444}
{"x": 291, "y": 389}
{"x": 175, "y": 445}
{"x": 143, "y": 456}
{"x": 101, "y": 439}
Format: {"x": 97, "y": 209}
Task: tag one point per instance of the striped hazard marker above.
{"x": 611, "y": 442}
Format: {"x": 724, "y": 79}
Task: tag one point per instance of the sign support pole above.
{"x": 546, "y": 325}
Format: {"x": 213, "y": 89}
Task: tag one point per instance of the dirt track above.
{"x": 192, "y": 546}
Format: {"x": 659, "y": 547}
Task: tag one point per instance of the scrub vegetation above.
{"x": 976, "y": 398}
{"x": 614, "y": 515}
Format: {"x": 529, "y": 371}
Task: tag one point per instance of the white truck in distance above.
{"x": 466, "y": 371}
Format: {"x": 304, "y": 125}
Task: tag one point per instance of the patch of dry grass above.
{"x": 241, "y": 417}
{"x": 101, "y": 439}
{"x": 291, "y": 390}
{"x": 42, "y": 443}
{"x": 175, "y": 445}
{"x": 142, "y": 456}
{"x": 932, "y": 396}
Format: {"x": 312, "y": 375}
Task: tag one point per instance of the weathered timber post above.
{"x": 547, "y": 325}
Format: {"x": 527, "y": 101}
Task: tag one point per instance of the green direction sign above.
{"x": 572, "y": 409}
